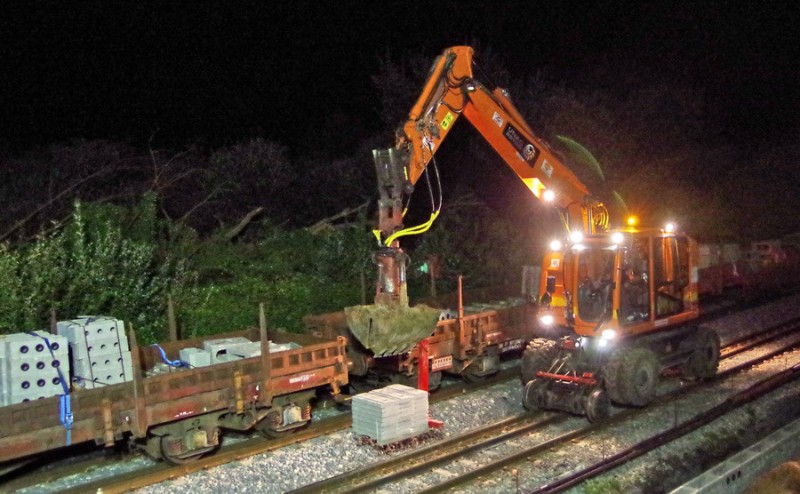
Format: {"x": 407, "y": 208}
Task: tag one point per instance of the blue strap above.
{"x": 65, "y": 403}
{"x": 171, "y": 363}
{"x": 65, "y": 408}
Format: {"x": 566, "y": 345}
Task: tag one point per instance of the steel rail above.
{"x": 732, "y": 403}
{"x": 161, "y": 471}
{"x": 366, "y": 478}
{"x": 752, "y": 393}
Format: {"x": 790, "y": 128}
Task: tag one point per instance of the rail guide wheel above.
{"x": 533, "y": 394}
{"x": 597, "y": 405}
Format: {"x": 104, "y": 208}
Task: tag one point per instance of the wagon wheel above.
{"x": 172, "y": 451}
{"x": 412, "y": 380}
{"x": 434, "y": 380}
{"x": 471, "y": 376}
{"x": 267, "y": 426}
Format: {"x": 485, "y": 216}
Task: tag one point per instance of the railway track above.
{"x": 160, "y": 472}
{"x": 438, "y": 456}
{"x": 153, "y": 472}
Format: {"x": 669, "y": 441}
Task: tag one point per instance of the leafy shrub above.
{"x": 92, "y": 267}
{"x": 293, "y": 273}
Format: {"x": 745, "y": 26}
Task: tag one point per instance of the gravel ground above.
{"x": 324, "y": 457}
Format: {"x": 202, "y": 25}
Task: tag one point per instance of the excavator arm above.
{"x": 450, "y": 93}
{"x": 390, "y": 326}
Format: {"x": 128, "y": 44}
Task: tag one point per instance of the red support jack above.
{"x": 422, "y": 365}
{"x": 422, "y": 377}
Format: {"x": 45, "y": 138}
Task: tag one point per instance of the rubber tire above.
{"x": 538, "y": 356}
{"x": 704, "y": 360}
{"x": 631, "y": 376}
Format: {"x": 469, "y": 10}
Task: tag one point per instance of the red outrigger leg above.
{"x": 587, "y": 379}
{"x": 422, "y": 378}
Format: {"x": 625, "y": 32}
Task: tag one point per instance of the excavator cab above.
{"x": 624, "y": 280}
{"x": 613, "y": 311}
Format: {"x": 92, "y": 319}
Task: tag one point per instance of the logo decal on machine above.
{"x": 447, "y": 120}
{"x": 496, "y": 118}
{"x": 526, "y": 150}
{"x": 547, "y": 168}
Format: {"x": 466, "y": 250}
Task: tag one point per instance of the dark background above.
{"x": 213, "y": 73}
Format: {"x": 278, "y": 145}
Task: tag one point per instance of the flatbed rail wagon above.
{"x": 179, "y": 413}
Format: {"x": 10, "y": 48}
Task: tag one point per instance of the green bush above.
{"x": 293, "y": 273}
{"x": 92, "y": 267}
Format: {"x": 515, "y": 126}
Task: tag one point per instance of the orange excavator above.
{"x": 615, "y": 305}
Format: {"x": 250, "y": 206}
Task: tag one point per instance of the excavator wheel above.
{"x": 704, "y": 360}
{"x": 631, "y": 376}
{"x": 538, "y": 356}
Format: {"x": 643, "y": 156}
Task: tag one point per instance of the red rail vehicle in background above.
{"x": 761, "y": 268}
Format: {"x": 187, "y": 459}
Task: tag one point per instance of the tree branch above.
{"x": 248, "y": 218}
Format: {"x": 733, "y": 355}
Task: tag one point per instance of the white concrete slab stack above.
{"x": 29, "y": 369}
{"x": 100, "y": 352}
{"x": 195, "y": 357}
{"x": 218, "y": 348}
{"x": 390, "y": 414}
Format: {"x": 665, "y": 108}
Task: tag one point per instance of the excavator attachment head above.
{"x": 391, "y": 329}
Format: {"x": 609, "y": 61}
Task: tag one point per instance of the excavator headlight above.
{"x": 555, "y": 245}
{"x": 617, "y": 237}
{"x": 547, "y": 320}
{"x": 576, "y": 237}
{"x": 608, "y": 334}
{"x": 548, "y": 196}
{"x": 669, "y": 228}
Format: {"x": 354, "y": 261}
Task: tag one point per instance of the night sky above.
{"x": 219, "y": 72}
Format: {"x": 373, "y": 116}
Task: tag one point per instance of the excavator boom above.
{"x": 450, "y": 93}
